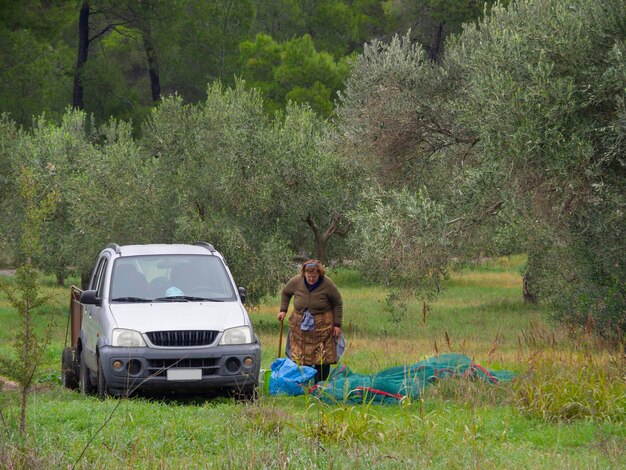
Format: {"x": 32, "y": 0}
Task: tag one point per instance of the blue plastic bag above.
{"x": 288, "y": 378}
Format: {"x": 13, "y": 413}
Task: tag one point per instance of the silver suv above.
{"x": 165, "y": 318}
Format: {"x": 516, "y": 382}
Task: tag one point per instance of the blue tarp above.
{"x": 288, "y": 378}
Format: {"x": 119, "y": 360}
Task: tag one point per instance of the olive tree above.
{"x": 113, "y": 196}
{"x": 517, "y": 136}
{"x": 205, "y": 163}
{"x": 431, "y": 200}
{"x": 58, "y": 154}
{"x": 304, "y": 187}
{"x": 260, "y": 188}
{"x": 8, "y": 179}
{"x": 103, "y": 186}
{"x": 544, "y": 92}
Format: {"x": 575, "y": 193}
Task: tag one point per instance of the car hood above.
{"x": 171, "y": 316}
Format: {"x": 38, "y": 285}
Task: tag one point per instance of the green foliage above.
{"x": 516, "y": 136}
{"x": 307, "y": 179}
{"x": 222, "y": 171}
{"x": 200, "y": 44}
{"x": 8, "y": 139}
{"x": 57, "y": 156}
{"x": 395, "y": 307}
{"x": 433, "y": 21}
{"x": 189, "y": 43}
{"x": 395, "y": 233}
{"x": 292, "y": 71}
{"x": 395, "y": 113}
{"x": 36, "y": 58}
{"x": 279, "y": 19}
{"x": 111, "y": 82}
{"x": 368, "y": 21}
{"x": 237, "y": 176}
{"x": 546, "y": 101}
{"x": 215, "y": 182}
{"x": 34, "y": 75}
{"x": 259, "y": 266}
{"x": 338, "y": 27}
{"x": 330, "y": 21}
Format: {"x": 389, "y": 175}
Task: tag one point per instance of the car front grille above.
{"x": 158, "y": 367}
{"x": 182, "y": 338}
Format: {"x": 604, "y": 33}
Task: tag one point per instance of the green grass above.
{"x": 456, "y": 424}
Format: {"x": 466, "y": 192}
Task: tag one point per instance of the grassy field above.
{"x": 566, "y": 410}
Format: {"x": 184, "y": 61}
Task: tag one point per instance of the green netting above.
{"x": 394, "y": 384}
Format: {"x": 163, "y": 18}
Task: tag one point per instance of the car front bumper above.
{"x": 213, "y": 369}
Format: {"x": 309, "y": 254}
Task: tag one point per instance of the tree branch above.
{"x": 110, "y": 27}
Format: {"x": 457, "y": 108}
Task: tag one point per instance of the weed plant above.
{"x": 566, "y": 387}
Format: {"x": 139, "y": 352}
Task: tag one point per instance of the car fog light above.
{"x": 117, "y": 365}
{"x": 248, "y": 361}
{"x": 233, "y": 364}
{"x": 134, "y": 367}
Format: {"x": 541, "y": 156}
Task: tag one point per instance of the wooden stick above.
{"x": 280, "y": 338}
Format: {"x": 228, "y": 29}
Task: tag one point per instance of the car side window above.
{"x": 100, "y": 284}
{"x": 97, "y": 281}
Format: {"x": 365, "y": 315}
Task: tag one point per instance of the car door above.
{"x": 92, "y": 314}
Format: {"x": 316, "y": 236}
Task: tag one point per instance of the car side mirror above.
{"x": 89, "y": 297}
{"x": 242, "y": 294}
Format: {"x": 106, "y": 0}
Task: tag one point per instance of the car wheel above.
{"x": 85, "y": 385}
{"x": 69, "y": 372}
{"x": 102, "y": 382}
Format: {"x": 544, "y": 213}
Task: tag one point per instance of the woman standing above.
{"x": 315, "y": 322}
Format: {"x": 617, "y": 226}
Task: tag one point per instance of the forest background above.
{"x": 400, "y": 137}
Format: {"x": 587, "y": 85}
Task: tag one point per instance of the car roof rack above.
{"x": 206, "y": 245}
{"x": 115, "y": 247}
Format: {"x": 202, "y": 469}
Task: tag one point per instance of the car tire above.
{"x": 69, "y": 369}
{"x": 85, "y": 385}
{"x": 102, "y": 382}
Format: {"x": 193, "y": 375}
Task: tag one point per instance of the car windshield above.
{"x": 170, "y": 278}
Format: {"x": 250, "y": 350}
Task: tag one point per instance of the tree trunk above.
{"x": 81, "y": 59}
{"x": 435, "y": 48}
{"x": 320, "y": 248}
{"x": 528, "y": 295}
{"x": 227, "y": 11}
{"x": 153, "y": 64}
{"x": 27, "y": 378}
{"x": 321, "y": 238}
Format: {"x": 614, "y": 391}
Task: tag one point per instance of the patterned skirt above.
{"x": 310, "y": 348}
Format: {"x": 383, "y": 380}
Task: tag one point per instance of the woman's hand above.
{"x": 281, "y": 316}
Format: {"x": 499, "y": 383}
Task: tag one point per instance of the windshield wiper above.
{"x": 130, "y": 299}
{"x": 186, "y": 298}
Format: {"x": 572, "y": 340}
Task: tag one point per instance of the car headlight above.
{"x": 239, "y": 335}
{"x": 127, "y": 338}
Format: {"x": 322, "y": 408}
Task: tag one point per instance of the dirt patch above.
{"x": 8, "y": 385}
{"x": 7, "y": 272}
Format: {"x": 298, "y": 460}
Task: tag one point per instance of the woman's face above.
{"x": 311, "y": 275}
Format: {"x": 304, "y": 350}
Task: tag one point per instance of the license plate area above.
{"x": 182, "y": 375}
